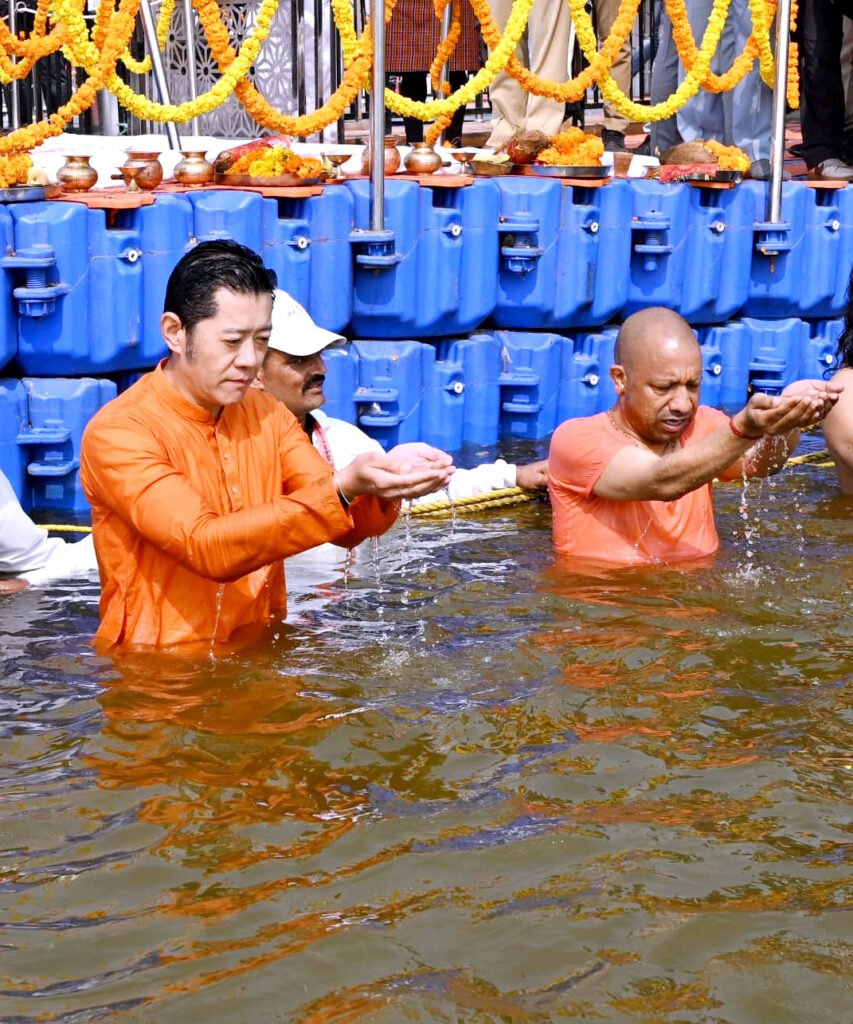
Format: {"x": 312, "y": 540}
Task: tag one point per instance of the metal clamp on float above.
{"x": 653, "y": 229}
{"x": 374, "y": 415}
{"x": 520, "y": 379}
{"x": 54, "y": 462}
{"x": 375, "y": 248}
{"x": 772, "y": 238}
{"x": 519, "y": 248}
{"x": 37, "y": 298}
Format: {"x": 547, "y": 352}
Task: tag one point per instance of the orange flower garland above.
{"x": 574, "y": 89}
{"x": 258, "y": 107}
{"x": 793, "y": 81}
{"x": 120, "y": 29}
{"x": 443, "y": 55}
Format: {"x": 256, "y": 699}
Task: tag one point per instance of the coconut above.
{"x": 524, "y": 147}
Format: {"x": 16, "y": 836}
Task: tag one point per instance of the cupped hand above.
{"x": 803, "y": 407}
{"x": 418, "y": 470}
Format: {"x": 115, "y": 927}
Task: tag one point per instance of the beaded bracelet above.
{"x": 741, "y": 434}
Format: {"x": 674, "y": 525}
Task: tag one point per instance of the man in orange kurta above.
{"x": 200, "y": 486}
{"x": 633, "y": 485}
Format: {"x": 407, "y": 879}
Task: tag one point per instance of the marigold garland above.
{"x": 120, "y": 28}
{"x": 685, "y": 45}
{"x": 442, "y": 57}
{"x": 84, "y": 53}
{"x": 30, "y": 49}
{"x": 574, "y": 89}
{"x": 497, "y": 61}
{"x": 258, "y": 107}
{"x": 793, "y": 80}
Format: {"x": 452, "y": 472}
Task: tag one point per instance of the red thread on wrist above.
{"x": 740, "y": 433}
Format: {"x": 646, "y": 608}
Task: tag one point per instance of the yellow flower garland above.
{"x": 793, "y": 80}
{"x": 31, "y": 49}
{"x": 164, "y": 21}
{"x": 497, "y": 61}
{"x": 258, "y": 107}
{"x": 685, "y": 45}
{"x": 685, "y": 91}
{"x": 576, "y": 88}
{"x": 121, "y": 25}
{"x": 85, "y": 54}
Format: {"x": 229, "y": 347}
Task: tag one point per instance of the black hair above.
{"x": 844, "y": 355}
{"x": 193, "y": 284}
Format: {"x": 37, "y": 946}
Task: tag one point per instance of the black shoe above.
{"x": 797, "y": 150}
{"x": 645, "y": 147}
{"x": 614, "y": 142}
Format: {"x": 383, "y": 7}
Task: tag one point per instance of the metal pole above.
{"x": 446, "y": 21}
{"x": 777, "y": 132}
{"x": 150, "y": 30}
{"x": 16, "y": 98}
{"x": 377, "y": 118}
{"x": 189, "y": 35}
{"x": 297, "y": 39}
{"x": 319, "y": 91}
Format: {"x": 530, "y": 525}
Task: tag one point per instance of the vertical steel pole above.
{"x": 189, "y": 35}
{"x": 377, "y": 118}
{"x": 446, "y": 22}
{"x": 297, "y": 37}
{"x": 16, "y": 85}
{"x": 777, "y": 132}
{"x": 150, "y": 30}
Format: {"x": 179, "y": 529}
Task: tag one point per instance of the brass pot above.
{"x": 194, "y": 169}
{"x": 422, "y": 159}
{"x": 150, "y": 169}
{"x": 77, "y": 174}
{"x": 392, "y": 158}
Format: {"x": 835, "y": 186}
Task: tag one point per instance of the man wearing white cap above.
{"x": 294, "y": 372}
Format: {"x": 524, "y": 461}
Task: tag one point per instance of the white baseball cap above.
{"x": 294, "y": 332}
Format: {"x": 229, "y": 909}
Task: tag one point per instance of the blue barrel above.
{"x": 443, "y": 404}
{"x": 341, "y": 383}
{"x": 712, "y": 371}
{"x": 479, "y": 363}
{"x": 733, "y": 342}
{"x": 581, "y": 376}
{"x": 91, "y": 283}
{"x": 819, "y": 356}
{"x": 306, "y": 242}
{"x": 718, "y": 254}
{"x": 232, "y": 214}
{"x": 778, "y": 275}
{"x": 565, "y": 253}
{"x": 659, "y": 231}
{"x": 391, "y": 380}
{"x": 434, "y": 273}
{"x": 8, "y": 311}
{"x": 777, "y": 348}
{"x": 14, "y": 419}
{"x": 827, "y": 252}
{"x": 530, "y": 383}
{"x": 59, "y": 410}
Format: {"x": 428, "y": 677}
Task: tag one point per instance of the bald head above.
{"x": 651, "y": 334}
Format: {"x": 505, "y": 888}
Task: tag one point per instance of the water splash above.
{"x": 452, "y": 510}
{"x": 219, "y": 594}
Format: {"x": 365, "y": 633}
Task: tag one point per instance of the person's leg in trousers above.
{"x": 664, "y": 134}
{"x": 548, "y": 44}
{"x": 413, "y": 85}
{"x": 820, "y": 80}
{"x": 621, "y": 71}
{"x": 508, "y": 99}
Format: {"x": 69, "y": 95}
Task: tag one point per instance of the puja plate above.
{"x": 22, "y": 194}
{"x": 719, "y": 177}
{"x": 268, "y": 181}
{"x": 490, "y": 169}
{"x": 564, "y": 171}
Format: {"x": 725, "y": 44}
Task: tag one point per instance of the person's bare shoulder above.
{"x": 838, "y": 430}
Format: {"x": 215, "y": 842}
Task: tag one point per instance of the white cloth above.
{"x": 346, "y": 441}
{"x": 26, "y": 551}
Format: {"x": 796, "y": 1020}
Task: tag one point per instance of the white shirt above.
{"x": 26, "y": 551}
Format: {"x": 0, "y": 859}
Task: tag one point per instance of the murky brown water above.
{"x": 469, "y": 789}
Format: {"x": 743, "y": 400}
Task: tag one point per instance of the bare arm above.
{"x": 838, "y": 430}
{"x": 638, "y": 474}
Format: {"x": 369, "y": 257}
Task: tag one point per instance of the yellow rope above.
{"x": 476, "y": 503}
{"x": 64, "y": 528}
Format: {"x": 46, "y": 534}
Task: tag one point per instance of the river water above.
{"x": 465, "y": 787}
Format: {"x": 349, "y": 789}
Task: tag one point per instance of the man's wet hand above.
{"x": 801, "y": 405}
{"x": 407, "y": 471}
